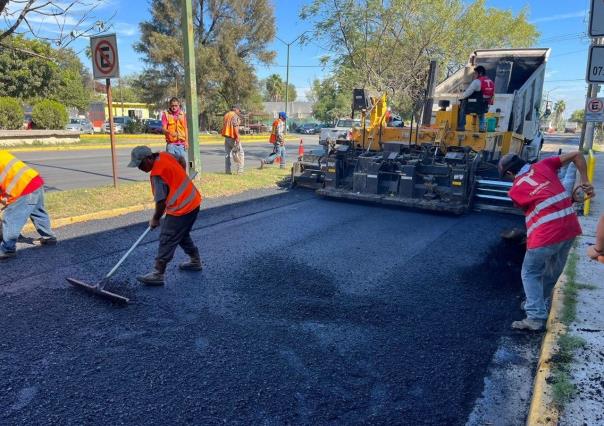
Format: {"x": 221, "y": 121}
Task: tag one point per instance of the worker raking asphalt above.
{"x": 308, "y": 311}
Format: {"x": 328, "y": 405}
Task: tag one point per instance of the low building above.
{"x": 295, "y": 110}
{"x": 99, "y": 111}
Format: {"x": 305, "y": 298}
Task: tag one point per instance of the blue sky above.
{"x": 562, "y": 24}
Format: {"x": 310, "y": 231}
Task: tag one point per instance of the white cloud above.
{"x": 125, "y": 29}
{"x": 559, "y": 17}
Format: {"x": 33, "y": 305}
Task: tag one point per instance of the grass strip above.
{"x": 76, "y": 202}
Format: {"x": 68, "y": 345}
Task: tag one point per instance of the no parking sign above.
{"x": 105, "y": 63}
{"x": 594, "y": 110}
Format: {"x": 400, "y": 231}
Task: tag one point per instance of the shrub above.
{"x": 134, "y": 127}
{"x": 11, "y": 114}
{"x": 49, "y": 114}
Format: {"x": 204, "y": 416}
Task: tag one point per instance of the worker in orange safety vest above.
{"x": 176, "y": 196}
{"x": 277, "y": 138}
{"x": 174, "y": 125}
{"x": 21, "y": 198}
{"x": 232, "y": 144}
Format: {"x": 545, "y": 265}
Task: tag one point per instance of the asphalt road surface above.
{"x": 89, "y": 168}
{"x": 308, "y": 311}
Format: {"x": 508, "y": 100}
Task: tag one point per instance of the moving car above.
{"x": 81, "y": 125}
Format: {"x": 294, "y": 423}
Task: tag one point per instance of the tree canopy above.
{"x": 229, "y": 36}
{"x": 577, "y": 116}
{"x": 31, "y": 70}
{"x": 273, "y": 89}
{"x": 388, "y": 46}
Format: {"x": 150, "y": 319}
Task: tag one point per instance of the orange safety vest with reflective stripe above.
{"x": 15, "y": 175}
{"x": 229, "y": 125}
{"x": 177, "y": 125}
{"x": 273, "y": 137}
{"x": 183, "y": 197}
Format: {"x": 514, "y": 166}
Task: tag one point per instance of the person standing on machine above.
{"x": 476, "y": 99}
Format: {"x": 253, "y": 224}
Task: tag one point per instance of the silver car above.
{"x": 118, "y": 124}
{"x": 81, "y": 125}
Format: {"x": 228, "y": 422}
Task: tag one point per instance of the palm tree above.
{"x": 559, "y": 108}
{"x": 274, "y": 88}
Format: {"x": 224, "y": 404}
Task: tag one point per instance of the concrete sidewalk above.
{"x": 587, "y": 369}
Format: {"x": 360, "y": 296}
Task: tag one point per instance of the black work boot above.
{"x": 155, "y": 277}
{"x": 194, "y": 263}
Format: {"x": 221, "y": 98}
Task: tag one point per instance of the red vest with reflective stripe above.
{"x": 487, "y": 87}
{"x": 177, "y": 125}
{"x": 550, "y": 216}
{"x": 183, "y": 197}
{"x": 15, "y": 176}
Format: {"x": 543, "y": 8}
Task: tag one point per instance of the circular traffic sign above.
{"x": 595, "y": 105}
{"x": 104, "y": 56}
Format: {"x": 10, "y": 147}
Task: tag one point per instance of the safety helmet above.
{"x": 283, "y": 115}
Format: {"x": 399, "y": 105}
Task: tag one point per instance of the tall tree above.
{"x": 577, "y": 116}
{"x": 229, "y": 35}
{"x": 63, "y": 21}
{"x": 273, "y": 88}
{"x": 559, "y": 108}
{"x": 387, "y": 46}
{"x": 329, "y": 103}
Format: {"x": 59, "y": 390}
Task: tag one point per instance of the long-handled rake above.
{"x": 99, "y": 289}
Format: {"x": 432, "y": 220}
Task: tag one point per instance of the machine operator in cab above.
{"x": 476, "y": 99}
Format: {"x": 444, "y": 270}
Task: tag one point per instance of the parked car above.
{"x": 153, "y": 126}
{"x": 81, "y": 125}
{"x": 119, "y": 123}
{"x": 309, "y": 128}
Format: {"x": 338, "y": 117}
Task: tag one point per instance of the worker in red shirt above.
{"x": 551, "y": 223}
{"x": 21, "y": 198}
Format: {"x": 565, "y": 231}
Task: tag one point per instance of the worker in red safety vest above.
{"x": 177, "y": 197}
{"x": 476, "y": 99}
{"x": 21, "y": 199}
{"x": 551, "y": 226}
{"x": 174, "y": 125}
{"x": 232, "y": 144}
{"x": 277, "y": 138}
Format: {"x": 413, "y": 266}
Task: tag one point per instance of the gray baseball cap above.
{"x": 138, "y": 154}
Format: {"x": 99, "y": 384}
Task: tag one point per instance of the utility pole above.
{"x": 191, "y": 88}
{"x": 287, "y": 69}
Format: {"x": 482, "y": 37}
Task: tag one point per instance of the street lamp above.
{"x": 287, "y": 67}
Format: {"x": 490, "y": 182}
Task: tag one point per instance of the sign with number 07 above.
{"x": 595, "y": 65}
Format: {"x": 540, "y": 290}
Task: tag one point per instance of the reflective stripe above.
{"x": 179, "y": 191}
{"x": 546, "y": 203}
{"x": 185, "y": 202}
{"x": 9, "y": 166}
{"x": 16, "y": 179}
{"x": 549, "y": 217}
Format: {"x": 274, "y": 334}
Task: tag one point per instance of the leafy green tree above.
{"x": 387, "y": 46}
{"x": 577, "y": 116}
{"x": 127, "y": 89}
{"x": 49, "y": 114}
{"x": 559, "y": 108}
{"x": 229, "y": 36}
{"x": 11, "y": 113}
{"x": 329, "y": 102}
{"x": 273, "y": 88}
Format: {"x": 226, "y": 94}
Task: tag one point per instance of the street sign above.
{"x": 595, "y": 65}
{"x": 596, "y": 18}
{"x": 594, "y": 110}
{"x": 105, "y": 63}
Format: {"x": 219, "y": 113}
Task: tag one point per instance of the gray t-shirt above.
{"x": 160, "y": 189}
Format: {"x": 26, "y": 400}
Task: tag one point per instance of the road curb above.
{"x": 103, "y": 214}
{"x": 542, "y": 410}
{"x": 39, "y": 148}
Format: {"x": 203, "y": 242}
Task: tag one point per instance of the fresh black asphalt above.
{"x": 308, "y": 311}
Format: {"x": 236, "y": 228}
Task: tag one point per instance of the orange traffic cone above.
{"x": 301, "y": 149}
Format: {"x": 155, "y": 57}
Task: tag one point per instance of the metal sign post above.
{"x": 105, "y": 64}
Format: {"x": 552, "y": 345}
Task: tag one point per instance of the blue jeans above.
{"x": 541, "y": 269}
{"x": 177, "y": 150}
{"x": 14, "y": 218}
{"x": 278, "y": 151}
{"x": 461, "y": 119}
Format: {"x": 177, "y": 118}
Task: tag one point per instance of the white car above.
{"x": 118, "y": 124}
{"x": 341, "y": 131}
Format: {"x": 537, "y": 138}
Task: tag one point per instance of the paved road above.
{"x": 309, "y": 311}
{"x": 88, "y": 168}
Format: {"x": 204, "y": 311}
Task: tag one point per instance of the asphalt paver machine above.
{"x": 434, "y": 166}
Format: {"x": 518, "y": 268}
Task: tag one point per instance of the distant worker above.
{"x": 476, "y": 99}
{"x": 552, "y": 226}
{"x": 232, "y": 144}
{"x": 596, "y": 251}
{"x": 21, "y": 198}
{"x": 174, "y": 125}
{"x": 278, "y": 140}
{"x": 176, "y": 196}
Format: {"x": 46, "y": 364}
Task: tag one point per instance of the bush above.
{"x": 11, "y": 114}
{"x": 50, "y": 115}
{"x": 134, "y": 127}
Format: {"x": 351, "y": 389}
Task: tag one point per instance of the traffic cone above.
{"x": 301, "y": 149}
